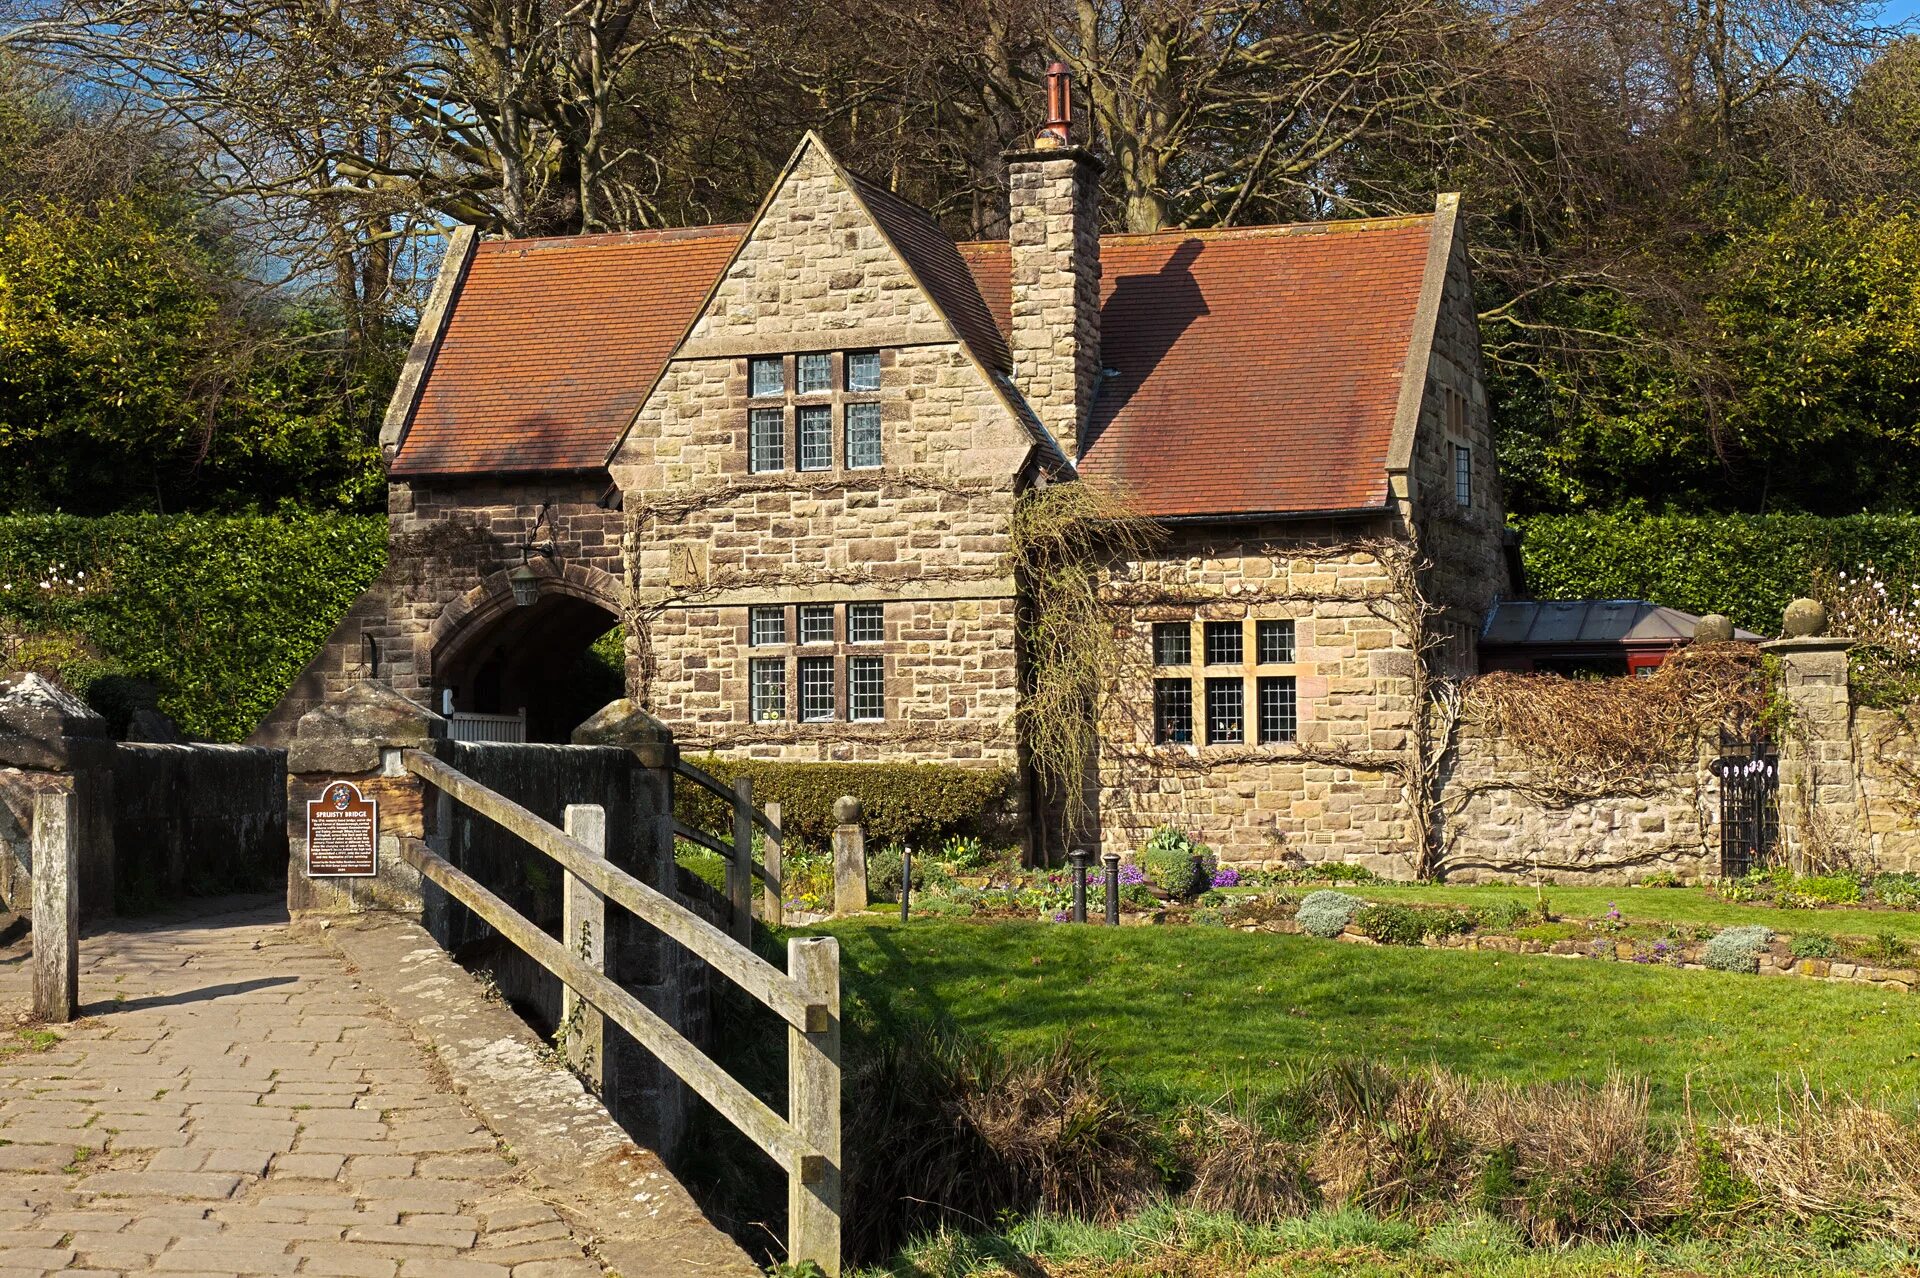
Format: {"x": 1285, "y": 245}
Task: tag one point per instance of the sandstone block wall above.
{"x": 925, "y": 534}
{"x": 1325, "y": 796}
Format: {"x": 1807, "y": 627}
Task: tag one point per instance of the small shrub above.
{"x": 1822, "y": 889}
{"x": 1326, "y": 914}
{"x": 1662, "y": 879}
{"x": 1410, "y": 924}
{"x": 919, "y": 804}
{"x": 1898, "y": 891}
{"x": 1887, "y": 949}
{"x": 1341, "y": 872}
{"x": 1738, "y": 949}
{"x": 1173, "y": 861}
{"x": 1814, "y": 945}
{"x": 884, "y": 869}
{"x": 1501, "y": 916}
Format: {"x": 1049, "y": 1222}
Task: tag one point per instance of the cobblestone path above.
{"x": 233, "y": 1102}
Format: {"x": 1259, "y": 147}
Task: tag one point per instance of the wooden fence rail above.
{"x": 806, "y": 1142}
{"x": 741, "y": 867}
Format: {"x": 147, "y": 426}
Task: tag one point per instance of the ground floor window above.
{"x": 767, "y": 694}
{"x": 1279, "y": 712}
{"x": 1173, "y": 711}
{"x": 866, "y": 689}
{"x": 816, "y": 689}
{"x": 1226, "y": 712}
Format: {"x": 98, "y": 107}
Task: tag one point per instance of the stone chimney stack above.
{"x": 1054, "y": 237}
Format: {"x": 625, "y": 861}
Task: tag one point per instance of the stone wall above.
{"x": 1501, "y": 819}
{"x": 1886, "y": 759}
{"x": 197, "y": 818}
{"x": 1330, "y": 794}
{"x": 450, "y": 547}
{"x": 924, "y": 534}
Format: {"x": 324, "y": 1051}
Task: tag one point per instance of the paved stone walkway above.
{"x": 233, "y": 1102}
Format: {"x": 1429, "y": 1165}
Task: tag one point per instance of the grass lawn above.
{"x": 1656, "y": 905}
{"x": 1182, "y": 1011}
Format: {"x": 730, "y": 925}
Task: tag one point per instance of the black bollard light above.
{"x": 906, "y": 882}
{"x": 1110, "y": 862}
{"x": 1079, "y": 857}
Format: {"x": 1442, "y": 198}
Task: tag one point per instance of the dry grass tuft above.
{"x": 1832, "y": 1159}
{"x": 1239, "y": 1167}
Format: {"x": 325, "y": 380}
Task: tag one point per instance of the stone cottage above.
{"x": 786, "y": 454}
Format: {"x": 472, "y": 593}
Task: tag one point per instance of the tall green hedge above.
{"x": 219, "y": 613}
{"x": 1746, "y": 566}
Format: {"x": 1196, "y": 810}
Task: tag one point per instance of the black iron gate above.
{"x": 1749, "y": 773}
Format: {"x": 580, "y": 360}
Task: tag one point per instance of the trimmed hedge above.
{"x": 1746, "y": 566}
{"x": 218, "y": 613}
{"x": 921, "y": 805}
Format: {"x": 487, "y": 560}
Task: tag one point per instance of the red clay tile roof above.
{"x": 550, "y": 346}
{"x": 1259, "y": 369}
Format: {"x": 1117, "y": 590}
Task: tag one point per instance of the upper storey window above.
{"x": 821, "y": 416}
{"x": 767, "y": 378}
{"x": 814, "y": 374}
{"x": 863, "y": 371}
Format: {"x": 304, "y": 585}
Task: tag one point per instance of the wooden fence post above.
{"x": 849, "y": 857}
{"x": 583, "y": 930}
{"x": 740, "y": 869}
{"x": 813, "y": 1107}
{"x": 56, "y": 907}
{"x": 772, "y": 903}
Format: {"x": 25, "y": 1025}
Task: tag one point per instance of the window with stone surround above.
{"x": 1279, "y": 712}
{"x": 1173, "y": 711}
{"x": 863, "y": 436}
{"x": 1273, "y": 642}
{"x": 767, "y": 689}
{"x": 816, "y": 623}
{"x": 1226, "y": 712}
{"x": 866, "y": 623}
{"x": 766, "y": 626}
{"x": 813, "y": 374}
{"x": 766, "y": 378}
{"x": 1463, "y": 475}
{"x": 816, "y": 436}
{"x": 1225, "y": 645}
{"x": 766, "y": 440}
{"x": 866, "y": 688}
{"x": 863, "y": 371}
{"x": 1172, "y": 643}
{"x": 816, "y": 689}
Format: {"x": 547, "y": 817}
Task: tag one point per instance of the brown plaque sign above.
{"x": 343, "y": 833}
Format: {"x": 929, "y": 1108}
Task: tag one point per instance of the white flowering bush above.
{"x": 1738, "y": 949}
{"x": 1325, "y": 913}
{"x": 1880, "y": 612}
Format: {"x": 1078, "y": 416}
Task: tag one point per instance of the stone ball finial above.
{"x": 1713, "y": 628}
{"x": 846, "y": 810}
{"x": 1805, "y": 618}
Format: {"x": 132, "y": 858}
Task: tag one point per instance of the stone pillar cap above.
{"x": 41, "y": 723}
{"x": 1808, "y": 643}
{"x": 621, "y": 723}
{"x": 370, "y": 711}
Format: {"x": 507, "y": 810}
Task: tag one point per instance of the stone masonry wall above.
{"x": 924, "y": 534}
{"x": 1054, "y": 239}
{"x": 1886, "y": 757}
{"x": 1500, "y": 821}
{"x": 447, "y": 540}
{"x": 1326, "y": 796}
{"x": 1464, "y": 545}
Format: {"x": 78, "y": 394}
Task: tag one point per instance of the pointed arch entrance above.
{"x": 531, "y": 653}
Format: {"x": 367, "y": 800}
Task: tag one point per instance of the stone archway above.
{"x": 495, "y": 655}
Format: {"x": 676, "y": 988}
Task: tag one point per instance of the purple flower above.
{"x": 1059, "y": 916}
{"x": 1132, "y": 874}
{"x": 1226, "y": 876}
{"x": 1613, "y": 911}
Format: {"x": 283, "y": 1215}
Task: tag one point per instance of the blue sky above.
{"x": 1901, "y": 10}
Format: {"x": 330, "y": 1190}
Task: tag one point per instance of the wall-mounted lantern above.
{"x": 526, "y": 582}
{"x": 526, "y": 586}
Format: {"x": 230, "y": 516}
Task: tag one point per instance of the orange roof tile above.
{"x": 1258, "y": 369}
{"x": 550, "y": 346}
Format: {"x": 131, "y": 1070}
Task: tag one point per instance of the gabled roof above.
{"x": 1254, "y": 371}
{"x": 1572, "y": 623}
{"x": 550, "y": 345}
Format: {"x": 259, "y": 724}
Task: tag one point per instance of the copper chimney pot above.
{"x": 1055, "y": 132}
